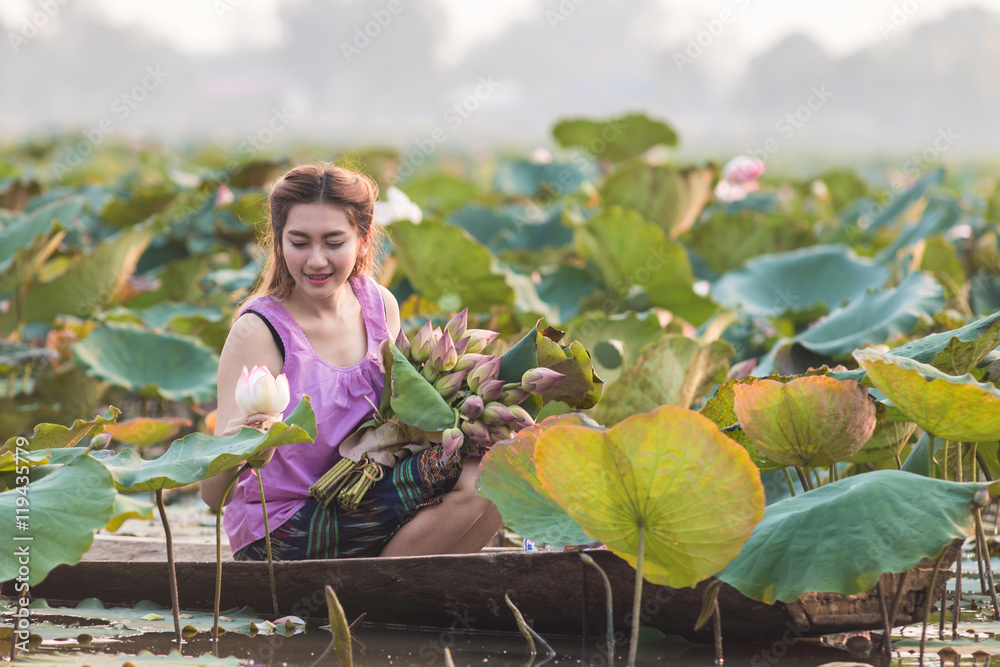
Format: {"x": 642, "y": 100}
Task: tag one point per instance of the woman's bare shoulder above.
{"x": 391, "y": 311}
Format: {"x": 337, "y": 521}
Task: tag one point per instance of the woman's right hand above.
{"x": 235, "y": 425}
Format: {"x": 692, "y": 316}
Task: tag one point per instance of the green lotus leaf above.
{"x": 953, "y": 352}
{"x": 946, "y": 406}
{"x": 56, "y": 436}
{"x": 888, "y": 438}
{"x": 154, "y": 364}
{"x": 672, "y": 371}
{"x": 670, "y": 197}
{"x": 841, "y": 537}
{"x": 874, "y": 316}
{"x": 129, "y": 507}
{"x": 163, "y": 315}
{"x": 694, "y": 491}
{"x": 564, "y": 286}
{"x": 514, "y": 228}
{"x": 443, "y": 262}
{"x": 91, "y": 282}
{"x": 821, "y": 278}
{"x": 137, "y": 203}
{"x": 630, "y": 331}
{"x": 66, "y": 508}
{"x": 508, "y": 478}
{"x": 11, "y": 460}
{"x": 27, "y": 242}
{"x": 614, "y": 139}
{"x": 900, "y": 203}
{"x": 14, "y": 356}
{"x": 145, "y": 431}
{"x": 439, "y": 191}
{"x": 631, "y": 252}
{"x": 526, "y": 178}
{"x": 719, "y": 408}
{"x": 199, "y": 456}
{"x": 414, "y": 400}
{"x": 810, "y": 421}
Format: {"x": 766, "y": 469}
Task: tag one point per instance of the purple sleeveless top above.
{"x": 339, "y": 401}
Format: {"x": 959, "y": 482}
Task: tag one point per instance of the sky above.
{"x": 217, "y": 26}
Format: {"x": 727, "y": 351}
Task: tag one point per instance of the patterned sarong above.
{"x": 333, "y": 532}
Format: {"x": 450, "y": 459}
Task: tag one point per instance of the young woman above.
{"x": 319, "y": 317}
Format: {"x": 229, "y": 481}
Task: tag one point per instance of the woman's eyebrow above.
{"x": 295, "y": 232}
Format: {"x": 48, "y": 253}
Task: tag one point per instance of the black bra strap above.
{"x": 274, "y": 333}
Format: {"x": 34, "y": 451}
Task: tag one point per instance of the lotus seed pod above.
{"x": 422, "y": 344}
{"x": 456, "y": 326}
{"x": 479, "y": 339}
{"x": 472, "y": 407}
{"x": 540, "y": 380}
{"x": 491, "y": 390}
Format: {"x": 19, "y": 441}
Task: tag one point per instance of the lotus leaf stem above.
{"x": 930, "y": 601}
{"x": 218, "y": 551}
{"x": 957, "y": 609}
{"x": 981, "y": 532}
{"x": 529, "y": 633}
{"x": 815, "y": 477}
{"x": 944, "y": 462}
{"x": 788, "y": 479}
{"x": 886, "y": 627}
{"x": 944, "y": 607}
{"x": 607, "y": 590}
{"x": 982, "y": 466}
{"x": 979, "y": 561}
{"x": 267, "y": 543}
{"x": 174, "y": 597}
{"x": 637, "y": 598}
{"x": 887, "y": 640}
{"x": 930, "y": 455}
{"x": 806, "y": 486}
{"x": 959, "y": 476}
{"x": 717, "y": 628}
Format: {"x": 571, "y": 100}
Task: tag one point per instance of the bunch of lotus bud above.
{"x": 453, "y": 359}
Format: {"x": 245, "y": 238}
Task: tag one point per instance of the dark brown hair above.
{"x": 352, "y": 193}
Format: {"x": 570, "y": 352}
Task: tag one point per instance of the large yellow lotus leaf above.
{"x": 946, "y": 406}
{"x": 146, "y": 431}
{"x": 887, "y": 440}
{"x": 696, "y": 492}
{"x": 810, "y": 421}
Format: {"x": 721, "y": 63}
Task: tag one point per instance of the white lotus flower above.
{"x": 258, "y": 392}
{"x": 397, "y": 207}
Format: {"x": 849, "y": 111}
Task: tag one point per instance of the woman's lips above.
{"x": 318, "y": 278}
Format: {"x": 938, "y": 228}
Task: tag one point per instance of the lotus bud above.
{"x": 540, "y": 380}
{"x": 500, "y": 432}
{"x": 479, "y": 339}
{"x": 513, "y": 396}
{"x": 469, "y": 360}
{"x": 448, "y": 385}
{"x": 521, "y": 418}
{"x": 491, "y": 390}
{"x": 477, "y": 430}
{"x": 429, "y": 372}
{"x": 472, "y": 407}
{"x": 484, "y": 371}
{"x": 101, "y": 440}
{"x": 402, "y": 344}
{"x": 451, "y": 440}
{"x": 495, "y": 414}
{"x": 456, "y": 325}
{"x": 461, "y": 345}
{"x": 422, "y": 344}
{"x": 258, "y": 392}
{"x": 443, "y": 356}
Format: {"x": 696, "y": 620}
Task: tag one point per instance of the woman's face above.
{"x": 321, "y": 248}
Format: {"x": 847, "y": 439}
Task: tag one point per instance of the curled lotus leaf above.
{"x": 810, "y": 421}
{"x": 670, "y": 473}
{"x": 947, "y": 406}
{"x": 887, "y": 440}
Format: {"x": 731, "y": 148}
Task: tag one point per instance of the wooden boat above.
{"x": 555, "y": 591}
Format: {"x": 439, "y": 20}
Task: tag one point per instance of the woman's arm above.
{"x": 391, "y": 312}
{"x": 249, "y": 343}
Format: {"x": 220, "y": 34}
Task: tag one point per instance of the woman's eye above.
{"x": 298, "y": 245}
{"x": 334, "y": 245}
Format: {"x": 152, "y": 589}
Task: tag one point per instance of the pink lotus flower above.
{"x": 497, "y": 413}
{"x": 258, "y": 392}
{"x": 224, "y": 196}
{"x": 739, "y": 178}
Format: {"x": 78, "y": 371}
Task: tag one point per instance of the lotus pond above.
{"x": 786, "y": 384}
